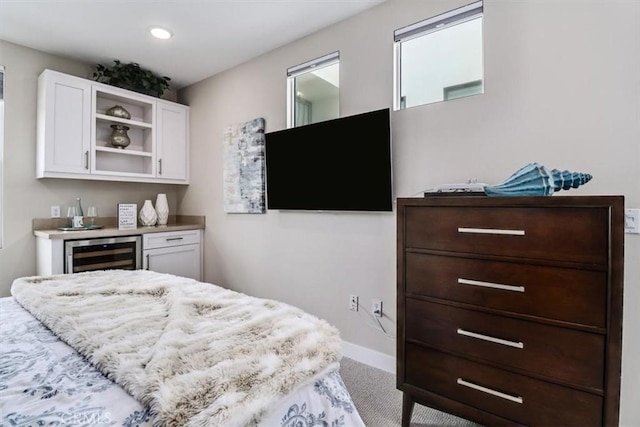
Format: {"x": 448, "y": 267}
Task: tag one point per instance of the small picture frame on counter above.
{"x": 127, "y": 216}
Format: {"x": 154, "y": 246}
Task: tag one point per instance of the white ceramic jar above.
{"x": 148, "y": 216}
{"x": 162, "y": 209}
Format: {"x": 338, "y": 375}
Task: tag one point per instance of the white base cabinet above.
{"x": 174, "y": 252}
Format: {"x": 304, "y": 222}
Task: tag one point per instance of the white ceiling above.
{"x": 209, "y": 35}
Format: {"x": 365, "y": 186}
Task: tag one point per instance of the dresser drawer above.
{"x": 512, "y": 396}
{"x": 561, "y": 233}
{"x": 570, "y": 295}
{"x": 569, "y": 355}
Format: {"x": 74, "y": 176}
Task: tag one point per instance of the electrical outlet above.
{"x": 376, "y": 307}
{"x": 353, "y": 302}
{"x": 632, "y": 221}
{"x": 55, "y": 211}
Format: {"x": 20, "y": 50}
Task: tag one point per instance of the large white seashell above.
{"x": 537, "y": 180}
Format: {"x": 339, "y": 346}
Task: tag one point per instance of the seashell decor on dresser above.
{"x": 535, "y": 179}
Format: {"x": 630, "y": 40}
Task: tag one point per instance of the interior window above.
{"x": 440, "y": 58}
{"x": 313, "y": 91}
{"x": 1, "y": 145}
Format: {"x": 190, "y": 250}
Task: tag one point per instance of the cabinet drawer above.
{"x": 569, "y": 295}
{"x": 522, "y": 399}
{"x": 564, "y": 233}
{"x": 573, "y": 356}
{"x": 170, "y": 238}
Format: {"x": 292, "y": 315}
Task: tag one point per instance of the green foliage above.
{"x": 132, "y": 77}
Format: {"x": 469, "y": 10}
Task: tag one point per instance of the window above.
{"x": 1, "y": 144}
{"x": 313, "y": 91}
{"x": 440, "y": 58}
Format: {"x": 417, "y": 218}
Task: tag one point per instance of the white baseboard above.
{"x": 369, "y": 357}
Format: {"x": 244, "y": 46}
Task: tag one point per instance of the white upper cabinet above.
{"x": 172, "y": 141}
{"x": 68, "y": 134}
{"x": 74, "y": 133}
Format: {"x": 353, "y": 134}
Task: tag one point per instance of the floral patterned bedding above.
{"x": 43, "y": 381}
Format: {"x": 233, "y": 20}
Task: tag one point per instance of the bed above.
{"x": 139, "y": 348}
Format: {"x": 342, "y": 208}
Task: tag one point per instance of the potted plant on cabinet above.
{"x": 132, "y": 77}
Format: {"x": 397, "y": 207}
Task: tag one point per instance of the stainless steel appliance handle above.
{"x": 69, "y": 264}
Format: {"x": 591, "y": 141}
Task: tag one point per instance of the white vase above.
{"x": 148, "y": 215}
{"x": 162, "y": 209}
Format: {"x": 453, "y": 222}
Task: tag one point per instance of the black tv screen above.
{"x": 342, "y": 164}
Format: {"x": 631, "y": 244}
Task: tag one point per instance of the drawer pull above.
{"x": 516, "y": 399}
{"x": 171, "y": 239}
{"x": 491, "y": 231}
{"x": 491, "y": 285}
{"x": 491, "y": 339}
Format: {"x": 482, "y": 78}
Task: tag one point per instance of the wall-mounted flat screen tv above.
{"x": 342, "y": 164}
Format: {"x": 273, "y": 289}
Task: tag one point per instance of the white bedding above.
{"x": 45, "y": 382}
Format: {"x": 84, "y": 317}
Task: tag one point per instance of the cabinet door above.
{"x": 64, "y": 125}
{"x": 178, "y": 260}
{"x": 172, "y": 140}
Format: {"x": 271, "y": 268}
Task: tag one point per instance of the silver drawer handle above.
{"x": 516, "y": 399}
{"x": 492, "y": 339}
{"x": 170, "y": 239}
{"x": 491, "y": 231}
{"x": 491, "y": 285}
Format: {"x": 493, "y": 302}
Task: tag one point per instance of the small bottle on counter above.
{"x": 77, "y": 219}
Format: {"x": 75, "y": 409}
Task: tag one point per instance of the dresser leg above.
{"x": 407, "y": 409}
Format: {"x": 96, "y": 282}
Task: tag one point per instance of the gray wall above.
{"x": 562, "y": 87}
{"x": 24, "y": 196}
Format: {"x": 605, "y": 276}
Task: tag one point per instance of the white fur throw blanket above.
{"x": 195, "y": 353}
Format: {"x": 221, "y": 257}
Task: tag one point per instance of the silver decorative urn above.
{"x": 118, "y": 111}
{"x": 119, "y": 137}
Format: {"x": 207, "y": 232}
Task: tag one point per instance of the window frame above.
{"x": 298, "y": 70}
{"x": 425, "y": 27}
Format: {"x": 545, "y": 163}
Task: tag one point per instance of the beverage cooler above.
{"x": 123, "y": 253}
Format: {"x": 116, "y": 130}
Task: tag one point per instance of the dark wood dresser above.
{"x": 510, "y": 309}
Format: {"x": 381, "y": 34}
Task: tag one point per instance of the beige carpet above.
{"x": 380, "y": 404}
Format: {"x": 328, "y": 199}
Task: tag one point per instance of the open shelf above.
{"x": 126, "y": 122}
{"x": 126, "y": 152}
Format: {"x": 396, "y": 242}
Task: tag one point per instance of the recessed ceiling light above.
{"x": 160, "y": 33}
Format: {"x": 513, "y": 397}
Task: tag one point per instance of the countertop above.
{"x": 47, "y": 228}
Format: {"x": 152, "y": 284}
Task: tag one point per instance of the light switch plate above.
{"x": 632, "y": 221}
